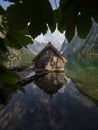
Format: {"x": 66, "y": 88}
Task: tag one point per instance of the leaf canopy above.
{"x": 38, "y": 13}
{"x": 70, "y": 14}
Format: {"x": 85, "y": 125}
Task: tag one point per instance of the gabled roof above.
{"x": 49, "y": 45}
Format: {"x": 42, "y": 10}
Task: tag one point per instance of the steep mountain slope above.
{"x": 82, "y": 45}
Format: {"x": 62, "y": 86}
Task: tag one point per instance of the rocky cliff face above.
{"x": 92, "y": 39}
{"x": 82, "y": 45}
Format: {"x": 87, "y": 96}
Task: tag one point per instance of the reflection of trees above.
{"x": 51, "y": 82}
{"x": 5, "y": 95}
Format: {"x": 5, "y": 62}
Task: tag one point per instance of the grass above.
{"x": 85, "y": 75}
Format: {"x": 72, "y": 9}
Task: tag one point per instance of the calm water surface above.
{"x": 49, "y": 103}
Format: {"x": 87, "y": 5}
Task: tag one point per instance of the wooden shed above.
{"x": 49, "y": 59}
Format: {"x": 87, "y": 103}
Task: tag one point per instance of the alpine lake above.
{"x": 53, "y": 103}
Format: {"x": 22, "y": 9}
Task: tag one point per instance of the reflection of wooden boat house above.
{"x": 51, "y": 82}
{"x": 49, "y": 59}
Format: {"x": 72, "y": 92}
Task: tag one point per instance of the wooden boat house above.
{"x": 49, "y": 59}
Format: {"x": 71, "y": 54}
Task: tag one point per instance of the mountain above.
{"x": 82, "y": 45}
{"x": 56, "y": 38}
{"x": 60, "y": 42}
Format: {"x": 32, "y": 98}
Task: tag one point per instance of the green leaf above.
{"x": 7, "y": 76}
{"x": 15, "y": 87}
{"x": 83, "y": 25}
{"x": 95, "y": 15}
{"x": 39, "y": 13}
{"x": 70, "y": 31}
{"x": 2, "y": 11}
{"x": 19, "y": 87}
{"x": 69, "y": 12}
{"x": 16, "y": 38}
{"x": 18, "y": 16}
{"x": 3, "y": 48}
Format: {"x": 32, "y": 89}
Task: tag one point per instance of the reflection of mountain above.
{"x": 51, "y": 82}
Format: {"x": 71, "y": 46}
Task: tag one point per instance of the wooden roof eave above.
{"x": 56, "y": 51}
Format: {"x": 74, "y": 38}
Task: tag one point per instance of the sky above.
{"x": 5, "y": 4}
{"x": 54, "y": 4}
